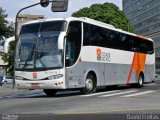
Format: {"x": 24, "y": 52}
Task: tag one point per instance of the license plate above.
{"x": 35, "y": 85}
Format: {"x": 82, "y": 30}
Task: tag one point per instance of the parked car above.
{"x": 7, "y": 80}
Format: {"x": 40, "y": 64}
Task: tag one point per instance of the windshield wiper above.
{"x": 29, "y": 56}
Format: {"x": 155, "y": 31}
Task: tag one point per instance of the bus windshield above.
{"x": 38, "y": 46}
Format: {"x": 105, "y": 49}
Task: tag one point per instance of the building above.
{"x": 145, "y": 16}
{"x": 23, "y": 18}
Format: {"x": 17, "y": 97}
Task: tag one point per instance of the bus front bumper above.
{"x": 43, "y": 84}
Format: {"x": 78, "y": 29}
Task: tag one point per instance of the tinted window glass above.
{"x": 103, "y": 37}
{"x": 31, "y": 28}
{"x": 43, "y": 27}
{"x": 53, "y": 26}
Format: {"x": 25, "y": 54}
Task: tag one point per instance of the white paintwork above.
{"x": 40, "y": 74}
{"x": 150, "y": 59}
{"x": 61, "y": 40}
{"x": 88, "y": 54}
{"x": 6, "y": 44}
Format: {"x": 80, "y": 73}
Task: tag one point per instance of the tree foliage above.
{"x": 9, "y": 58}
{"x": 5, "y": 29}
{"x": 107, "y": 13}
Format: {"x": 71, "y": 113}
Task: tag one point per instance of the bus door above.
{"x": 74, "y": 69}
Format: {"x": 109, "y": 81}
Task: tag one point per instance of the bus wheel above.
{"x": 90, "y": 84}
{"x": 50, "y": 92}
{"x": 140, "y": 81}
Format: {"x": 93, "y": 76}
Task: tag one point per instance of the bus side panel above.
{"x": 75, "y": 76}
{"x": 102, "y": 74}
{"x": 106, "y": 73}
{"x": 118, "y": 74}
{"x": 131, "y": 75}
{"x": 121, "y": 73}
{"x": 149, "y": 73}
{"x": 150, "y": 68}
{"x": 97, "y": 68}
{"x": 110, "y": 74}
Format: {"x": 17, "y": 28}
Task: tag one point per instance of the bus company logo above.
{"x": 34, "y": 75}
{"x": 99, "y": 54}
{"x": 103, "y": 56}
{"x": 106, "y": 57}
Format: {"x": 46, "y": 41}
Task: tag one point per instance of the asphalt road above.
{"x": 123, "y": 102}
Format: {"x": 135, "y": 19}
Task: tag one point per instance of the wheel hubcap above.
{"x": 140, "y": 81}
{"x": 89, "y": 84}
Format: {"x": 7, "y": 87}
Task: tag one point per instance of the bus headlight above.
{"x": 55, "y": 76}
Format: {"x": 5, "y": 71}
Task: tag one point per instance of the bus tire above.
{"x": 90, "y": 84}
{"x": 50, "y": 92}
{"x": 140, "y": 81}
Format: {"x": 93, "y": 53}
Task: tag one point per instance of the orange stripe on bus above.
{"x": 130, "y": 72}
{"x": 138, "y": 64}
{"x": 143, "y": 37}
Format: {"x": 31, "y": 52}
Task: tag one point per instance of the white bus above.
{"x": 80, "y": 53}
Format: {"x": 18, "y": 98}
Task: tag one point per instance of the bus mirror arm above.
{"x": 61, "y": 40}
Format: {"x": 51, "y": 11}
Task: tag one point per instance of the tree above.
{"x": 9, "y": 58}
{"x": 7, "y": 31}
{"x": 107, "y": 13}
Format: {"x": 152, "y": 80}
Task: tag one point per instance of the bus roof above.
{"x": 90, "y": 21}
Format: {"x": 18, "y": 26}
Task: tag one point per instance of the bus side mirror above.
{"x": 61, "y": 38}
{"x": 59, "y": 5}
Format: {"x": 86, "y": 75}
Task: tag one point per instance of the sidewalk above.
{"x": 6, "y": 89}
